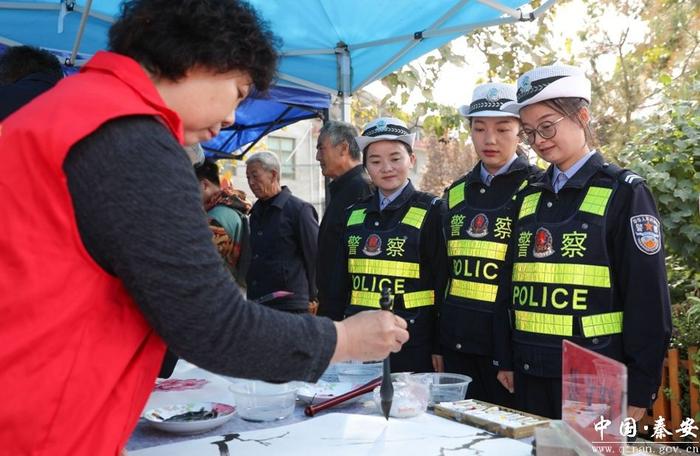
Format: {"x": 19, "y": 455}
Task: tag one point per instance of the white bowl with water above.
{"x": 261, "y": 401}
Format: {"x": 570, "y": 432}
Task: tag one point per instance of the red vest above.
{"x": 77, "y": 358}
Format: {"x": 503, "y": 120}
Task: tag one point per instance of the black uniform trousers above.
{"x": 538, "y": 395}
{"x": 484, "y": 385}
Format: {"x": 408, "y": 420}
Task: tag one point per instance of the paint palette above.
{"x": 493, "y": 418}
{"x": 191, "y": 418}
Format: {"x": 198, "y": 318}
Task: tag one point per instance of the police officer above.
{"x": 587, "y": 259}
{"x": 393, "y": 239}
{"x": 478, "y": 227}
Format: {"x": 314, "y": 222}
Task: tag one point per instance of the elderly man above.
{"x": 284, "y": 231}
{"x": 340, "y": 160}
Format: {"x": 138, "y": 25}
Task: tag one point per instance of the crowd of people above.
{"x": 108, "y": 256}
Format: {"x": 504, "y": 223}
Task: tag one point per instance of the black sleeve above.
{"x": 140, "y": 216}
{"x": 639, "y": 273}
{"x": 308, "y": 240}
{"x": 502, "y": 334}
{"x": 433, "y": 248}
{"x": 334, "y": 307}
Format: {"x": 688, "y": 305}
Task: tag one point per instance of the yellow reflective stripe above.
{"x": 456, "y": 195}
{"x": 418, "y": 299}
{"x": 473, "y": 248}
{"x": 410, "y": 300}
{"x": 602, "y": 324}
{"x": 596, "y": 200}
{"x": 562, "y": 274}
{"x": 356, "y": 217}
{"x": 365, "y": 298}
{"x": 522, "y": 186}
{"x": 529, "y": 205}
{"x": 414, "y": 217}
{"x": 544, "y": 323}
{"x": 384, "y": 268}
{"x": 473, "y": 290}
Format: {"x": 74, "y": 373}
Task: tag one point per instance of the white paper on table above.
{"x": 341, "y": 434}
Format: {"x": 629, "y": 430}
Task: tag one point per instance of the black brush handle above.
{"x": 386, "y": 391}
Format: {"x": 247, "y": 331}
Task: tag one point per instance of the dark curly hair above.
{"x": 20, "y": 61}
{"x": 208, "y": 170}
{"x": 169, "y": 37}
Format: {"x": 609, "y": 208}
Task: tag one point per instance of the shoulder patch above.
{"x": 630, "y": 178}
{"x": 646, "y": 232}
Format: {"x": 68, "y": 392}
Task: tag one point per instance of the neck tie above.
{"x": 559, "y": 183}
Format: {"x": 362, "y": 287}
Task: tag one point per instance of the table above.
{"x": 216, "y": 390}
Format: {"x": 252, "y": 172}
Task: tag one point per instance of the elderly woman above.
{"x": 284, "y": 234}
{"x": 105, "y": 246}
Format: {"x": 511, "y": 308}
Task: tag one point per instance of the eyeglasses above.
{"x": 546, "y": 130}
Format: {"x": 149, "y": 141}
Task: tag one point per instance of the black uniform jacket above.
{"x": 284, "y": 236}
{"x": 638, "y": 280}
{"x": 347, "y": 189}
{"x": 461, "y": 328}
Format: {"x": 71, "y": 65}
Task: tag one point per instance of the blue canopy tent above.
{"x": 263, "y": 113}
{"x": 332, "y": 46}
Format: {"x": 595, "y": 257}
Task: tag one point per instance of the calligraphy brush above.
{"x": 386, "y": 391}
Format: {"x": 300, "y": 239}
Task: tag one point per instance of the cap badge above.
{"x": 492, "y": 95}
{"x": 525, "y": 86}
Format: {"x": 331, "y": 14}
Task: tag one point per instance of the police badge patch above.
{"x": 479, "y": 226}
{"x": 646, "y": 231}
{"x": 373, "y": 245}
{"x": 543, "y": 243}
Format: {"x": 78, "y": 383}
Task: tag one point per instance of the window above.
{"x": 284, "y": 147}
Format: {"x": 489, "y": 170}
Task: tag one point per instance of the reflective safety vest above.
{"x": 390, "y": 257}
{"x": 477, "y": 242}
{"x": 561, "y": 280}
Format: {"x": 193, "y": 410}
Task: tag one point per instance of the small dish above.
{"x": 322, "y": 391}
{"x": 158, "y": 417}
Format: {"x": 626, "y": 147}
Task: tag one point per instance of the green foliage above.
{"x": 666, "y": 151}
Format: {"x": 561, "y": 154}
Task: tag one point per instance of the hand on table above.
{"x": 369, "y": 336}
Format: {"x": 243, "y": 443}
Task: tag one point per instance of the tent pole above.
{"x": 342, "y": 55}
{"x": 81, "y": 29}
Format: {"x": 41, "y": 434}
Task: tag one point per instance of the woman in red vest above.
{"x": 106, "y": 252}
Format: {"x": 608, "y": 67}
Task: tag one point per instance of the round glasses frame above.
{"x": 546, "y": 130}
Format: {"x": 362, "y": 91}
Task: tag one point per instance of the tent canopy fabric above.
{"x": 331, "y": 45}
{"x": 262, "y": 113}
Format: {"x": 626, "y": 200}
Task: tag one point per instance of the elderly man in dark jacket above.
{"x": 284, "y": 231}
{"x": 340, "y": 160}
